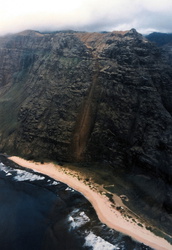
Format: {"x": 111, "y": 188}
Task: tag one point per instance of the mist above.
{"x": 86, "y": 15}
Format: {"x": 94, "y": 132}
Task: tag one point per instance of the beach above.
{"x": 103, "y": 207}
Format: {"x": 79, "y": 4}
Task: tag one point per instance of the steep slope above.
{"x": 86, "y": 119}
{"x": 133, "y": 122}
{"x": 53, "y": 79}
{"x": 87, "y": 97}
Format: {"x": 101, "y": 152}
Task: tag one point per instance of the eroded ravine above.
{"x": 86, "y": 118}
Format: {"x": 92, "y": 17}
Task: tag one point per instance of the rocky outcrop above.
{"x": 75, "y": 96}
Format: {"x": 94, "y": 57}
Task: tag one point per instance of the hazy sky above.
{"x": 86, "y": 15}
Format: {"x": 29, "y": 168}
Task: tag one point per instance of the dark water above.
{"x": 37, "y": 212}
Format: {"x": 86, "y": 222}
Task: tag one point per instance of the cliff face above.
{"x": 87, "y": 97}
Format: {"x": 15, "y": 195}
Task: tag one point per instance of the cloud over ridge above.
{"x": 87, "y": 15}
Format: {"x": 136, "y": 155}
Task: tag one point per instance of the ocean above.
{"x": 39, "y": 213}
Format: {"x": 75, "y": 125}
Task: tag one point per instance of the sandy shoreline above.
{"x": 106, "y": 213}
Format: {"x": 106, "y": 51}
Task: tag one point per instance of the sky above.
{"x": 145, "y": 16}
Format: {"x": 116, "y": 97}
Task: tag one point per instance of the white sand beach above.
{"x": 104, "y": 209}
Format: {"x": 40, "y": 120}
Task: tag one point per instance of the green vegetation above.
{"x": 110, "y": 196}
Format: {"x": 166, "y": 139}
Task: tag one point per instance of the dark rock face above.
{"x": 87, "y": 97}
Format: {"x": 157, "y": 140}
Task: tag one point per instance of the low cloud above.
{"x": 86, "y": 15}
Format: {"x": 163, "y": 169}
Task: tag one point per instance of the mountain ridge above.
{"x": 164, "y": 42}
